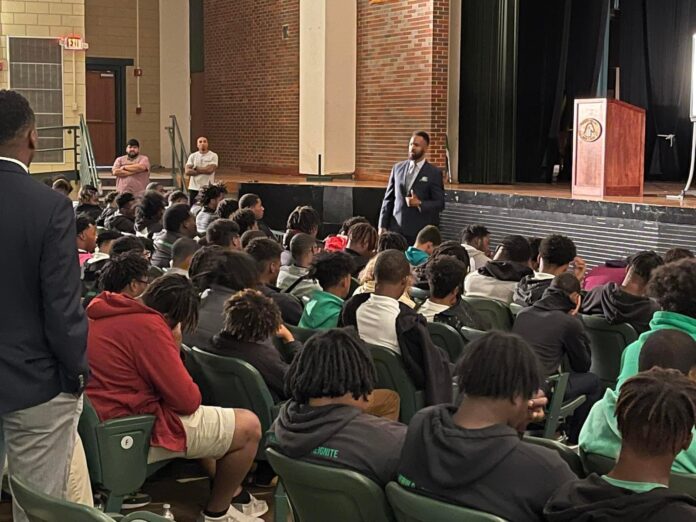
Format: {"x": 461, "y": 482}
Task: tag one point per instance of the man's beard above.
{"x": 132, "y": 155}
{"x": 415, "y": 156}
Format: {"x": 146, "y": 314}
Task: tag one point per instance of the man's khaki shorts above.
{"x": 209, "y": 432}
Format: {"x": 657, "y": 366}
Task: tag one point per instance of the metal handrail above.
{"x": 70, "y": 129}
{"x": 179, "y": 154}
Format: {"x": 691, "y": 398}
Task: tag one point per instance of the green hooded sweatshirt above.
{"x": 416, "y": 256}
{"x": 600, "y": 433}
{"x": 322, "y": 311}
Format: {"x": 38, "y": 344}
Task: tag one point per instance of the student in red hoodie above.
{"x": 133, "y": 349}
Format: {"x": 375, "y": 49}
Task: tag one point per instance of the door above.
{"x": 101, "y": 115}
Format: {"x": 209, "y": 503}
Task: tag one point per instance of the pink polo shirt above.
{"x": 136, "y": 183}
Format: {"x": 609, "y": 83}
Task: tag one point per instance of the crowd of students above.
{"x": 214, "y": 276}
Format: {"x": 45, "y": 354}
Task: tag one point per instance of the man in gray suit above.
{"x": 415, "y": 194}
{"x": 43, "y": 329}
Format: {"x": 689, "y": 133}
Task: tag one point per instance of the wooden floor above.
{"x": 654, "y": 194}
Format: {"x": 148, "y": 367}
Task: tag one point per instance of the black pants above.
{"x": 587, "y": 384}
{"x": 193, "y": 194}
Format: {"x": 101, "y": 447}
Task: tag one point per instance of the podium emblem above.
{"x": 590, "y": 130}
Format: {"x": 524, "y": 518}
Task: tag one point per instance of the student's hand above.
{"x": 176, "y": 331}
{"x": 284, "y": 334}
{"x": 575, "y": 311}
{"x": 579, "y": 268}
{"x": 413, "y": 200}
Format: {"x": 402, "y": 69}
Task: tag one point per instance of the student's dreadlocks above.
{"x": 348, "y": 224}
{"x": 211, "y": 192}
{"x": 121, "y": 270}
{"x": 331, "y": 364}
{"x": 213, "y": 265}
{"x": 391, "y": 241}
{"x": 304, "y": 219}
{"x": 656, "y": 411}
{"x": 175, "y": 297}
{"x": 250, "y": 316}
{"x": 364, "y": 233}
{"x": 499, "y": 365}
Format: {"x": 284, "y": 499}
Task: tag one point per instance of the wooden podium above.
{"x": 608, "y": 148}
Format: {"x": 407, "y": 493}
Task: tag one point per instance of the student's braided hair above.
{"x": 175, "y": 297}
{"x": 211, "y": 192}
{"x": 122, "y": 269}
{"x": 331, "y": 364}
{"x": 250, "y": 316}
{"x": 656, "y": 411}
{"x": 364, "y": 233}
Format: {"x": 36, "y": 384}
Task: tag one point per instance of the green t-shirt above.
{"x": 638, "y": 487}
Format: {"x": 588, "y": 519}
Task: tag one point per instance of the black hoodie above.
{"x": 488, "y": 469}
{"x": 339, "y": 435}
{"x": 531, "y": 288}
{"x": 594, "y": 499}
{"x": 553, "y": 332}
{"x": 618, "y": 306}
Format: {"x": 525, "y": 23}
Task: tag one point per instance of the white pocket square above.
{"x": 424, "y": 178}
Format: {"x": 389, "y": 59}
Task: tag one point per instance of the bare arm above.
{"x": 207, "y": 170}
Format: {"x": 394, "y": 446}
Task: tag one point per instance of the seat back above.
{"x": 607, "y": 343}
{"x": 558, "y": 410}
{"x": 392, "y": 375}
{"x": 301, "y": 334}
{"x": 116, "y": 449}
{"x": 447, "y": 338}
{"x": 515, "y": 309}
{"x": 568, "y": 455}
{"x": 471, "y": 334}
{"x": 418, "y": 295}
{"x": 40, "y": 507}
{"x": 496, "y": 313}
{"x": 231, "y": 383}
{"x": 323, "y": 493}
{"x": 412, "y": 507}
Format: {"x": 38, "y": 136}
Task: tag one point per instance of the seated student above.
{"x": 445, "y": 305}
{"x": 63, "y": 186}
{"x": 332, "y": 270}
{"x": 148, "y": 214}
{"x": 325, "y": 421}
{"x": 86, "y": 237}
{"x": 250, "y": 321}
{"x": 157, "y": 187}
{"x": 612, "y": 271}
{"x": 426, "y": 241}
{"x": 253, "y": 202}
{"x": 245, "y": 219}
{"x": 249, "y": 235}
{"x": 88, "y": 202}
{"x": 127, "y": 379}
{"x": 498, "y": 278}
{"x": 534, "y": 245}
{"x": 303, "y": 220}
{"x": 477, "y": 241}
{"x": 182, "y": 253}
{"x": 668, "y": 349}
{"x": 293, "y": 279}
{"x": 446, "y": 248}
{"x": 109, "y": 209}
{"x": 105, "y": 240}
{"x": 177, "y": 197}
{"x": 382, "y": 320}
{"x": 655, "y": 414}
{"x": 94, "y": 265}
{"x": 224, "y": 233}
{"x": 676, "y": 254}
{"x": 266, "y": 252}
{"x": 673, "y": 286}
{"x": 218, "y": 274}
{"x": 226, "y": 208}
{"x": 210, "y": 197}
{"x": 554, "y": 331}
{"x": 338, "y": 242}
{"x": 556, "y": 252}
{"x": 626, "y": 303}
{"x": 473, "y": 455}
{"x": 178, "y": 222}
{"x": 362, "y": 242}
{"x": 123, "y": 219}
{"x": 367, "y": 281}
{"x": 391, "y": 241}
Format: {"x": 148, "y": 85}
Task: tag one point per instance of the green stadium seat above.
{"x": 496, "y": 313}
{"x": 301, "y": 334}
{"x": 607, "y": 343}
{"x": 515, "y": 309}
{"x": 558, "y": 410}
{"x": 568, "y": 455}
{"x": 447, "y": 338}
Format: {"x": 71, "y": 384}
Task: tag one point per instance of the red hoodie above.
{"x": 136, "y": 368}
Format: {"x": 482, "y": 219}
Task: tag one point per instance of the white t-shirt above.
{"x": 429, "y": 310}
{"x": 199, "y": 160}
{"x": 376, "y": 320}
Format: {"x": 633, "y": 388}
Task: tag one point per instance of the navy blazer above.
{"x": 43, "y": 328}
{"x": 397, "y": 216}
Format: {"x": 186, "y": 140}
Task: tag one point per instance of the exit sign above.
{"x": 73, "y": 43}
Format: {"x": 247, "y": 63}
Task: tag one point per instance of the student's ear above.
{"x": 687, "y": 441}
{"x": 692, "y": 374}
{"x": 33, "y": 139}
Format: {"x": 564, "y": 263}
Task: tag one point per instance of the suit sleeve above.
{"x": 385, "y": 215}
{"x": 436, "y": 203}
{"x": 65, "y": 324}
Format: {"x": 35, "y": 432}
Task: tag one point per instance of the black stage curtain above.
{"x": 560, "y": 50}
{"x": 655, "y": 61}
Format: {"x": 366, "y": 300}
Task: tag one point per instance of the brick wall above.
{"x": 110, "y": 32}
{"x": 252, "y": 83}
{"x": 43, "y": 19}
{"x": 402, "y": 81}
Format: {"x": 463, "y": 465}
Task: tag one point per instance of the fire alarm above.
{"x": 137, "y": 71}
{"x": 138, "y": 110}
{"x": 2, "y": 65}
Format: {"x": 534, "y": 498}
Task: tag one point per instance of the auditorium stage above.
{"x": 604, "y": 228}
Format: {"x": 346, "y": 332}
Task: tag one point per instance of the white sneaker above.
{"x": 253, "y": 508}
{"x": 232, "y": 515}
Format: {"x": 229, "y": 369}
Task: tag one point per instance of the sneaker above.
{"x": 136, "y": 500}
{"x": 232, "y": 515}
{"x": 253, "y": 508}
